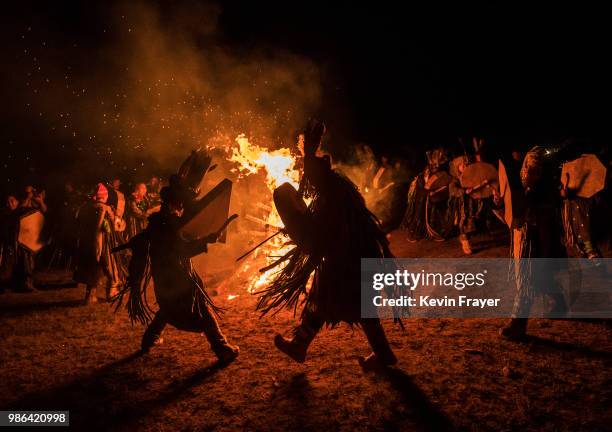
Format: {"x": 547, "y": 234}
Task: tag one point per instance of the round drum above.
{"x": 294, "y": 213}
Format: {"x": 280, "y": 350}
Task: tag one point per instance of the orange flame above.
{"x": 278, "y": 164}
{"x": 279, "y": 167}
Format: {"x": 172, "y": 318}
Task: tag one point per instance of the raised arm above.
{"x": 191, "y": 248}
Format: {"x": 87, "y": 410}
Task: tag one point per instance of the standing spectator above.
{"x": 61, "y": 223}
{"x": 137, "y": 210}
{"x": 8, "y": 240}
{"x": 33, "y": 199}
{"x": 118, "y": 204}
{"x": 94, "y": 257}
{"x": 153, "y": 192}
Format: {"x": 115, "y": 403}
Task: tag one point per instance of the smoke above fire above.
{"x": 135, "y": 93}
{"x": 157, "y": 83}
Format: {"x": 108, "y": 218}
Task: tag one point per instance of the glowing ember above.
{"x": 232, "y": 296}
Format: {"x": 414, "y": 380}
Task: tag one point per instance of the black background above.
{"x": 400, "y": 78}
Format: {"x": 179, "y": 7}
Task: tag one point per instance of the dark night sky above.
{"x": 430, "y": 75}
{"x": 399, "y": 77}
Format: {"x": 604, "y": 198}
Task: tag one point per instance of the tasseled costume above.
{"x": 160, "y": 253}
{"x": 537, "y": 235}
{"x": 179, "y": 290}
{"x": 413, "y": 221}
{"x": 344, "y": 230}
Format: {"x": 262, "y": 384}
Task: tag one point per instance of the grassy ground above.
{"x": 452, "y": 374}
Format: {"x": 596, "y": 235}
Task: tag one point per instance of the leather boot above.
{"x": 225, "y": 352}
{"x": 515, "y": 330}
{"x": 559, "y": 308}
{"x": 152, "y": 335}
{"x": 591, "y": 251}
{"x": 382, "y": 355}
{"x": 90, "y": 296}
{"x": 297, "y": 347}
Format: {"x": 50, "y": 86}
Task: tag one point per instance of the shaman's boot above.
{"x": 152, "y": 335}
{"x": 90, "y": 296}
{"x": 28, "y": 285}
{"x": 591, "y": 251}
{"x": 559, "y": 308}
{"x": 225, "y": 352}
{"x": 297, "y": 347}
{"x": 515, "y": 330}
{"x": 382, "y": 355}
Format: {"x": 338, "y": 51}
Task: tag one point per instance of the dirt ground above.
{"x": 452, "y": 374}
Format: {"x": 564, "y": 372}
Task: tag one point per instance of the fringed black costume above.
{"x": 535, "y": 234}
{"x": 414, "y": 221}
{"x": 161, "y": 254}
{"x": 336, "y": 232}
{"x": 345, "y": 231}
{"x": 577, "y": 225}
{"x": 426, "y": 216}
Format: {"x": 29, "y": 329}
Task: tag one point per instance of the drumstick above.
{"x": 226, "y": 223}
{"x": 258, "y": 245}
{"x": 478, "y": 186}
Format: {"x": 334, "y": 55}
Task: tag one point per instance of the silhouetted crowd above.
{"x": 545, "y": 202}
{"x": 74, "y": 231}
{"x": 457, "y": 194}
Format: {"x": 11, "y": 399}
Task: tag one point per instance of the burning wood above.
{"x": 278, "y": 166}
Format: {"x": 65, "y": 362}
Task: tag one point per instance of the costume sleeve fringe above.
{"x": 137, "y": 282}
{"x": 411, "y": 206}
{"x": 289, "y": 285}
{"x": 566, "y": 218}
{"x": 202, "y": 301}
{"x": 521, "y": 252}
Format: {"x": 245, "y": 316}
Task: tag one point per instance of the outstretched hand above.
{"x": 312, "y": 135}
{"x": 213, "y": 237}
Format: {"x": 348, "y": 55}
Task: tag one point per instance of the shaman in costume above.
{"x": 427, "y": 212}
{"x": 414, "y": 218}
{"x": 331, "y": 236}
{"x": 96, "y": 239}
{"x": 535, "y": 234}
{"x": 160, "y": 253}
{"x": 582, "y": 183}
{"x": 577, "y": 224}
{"x": 475, "y": 213}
